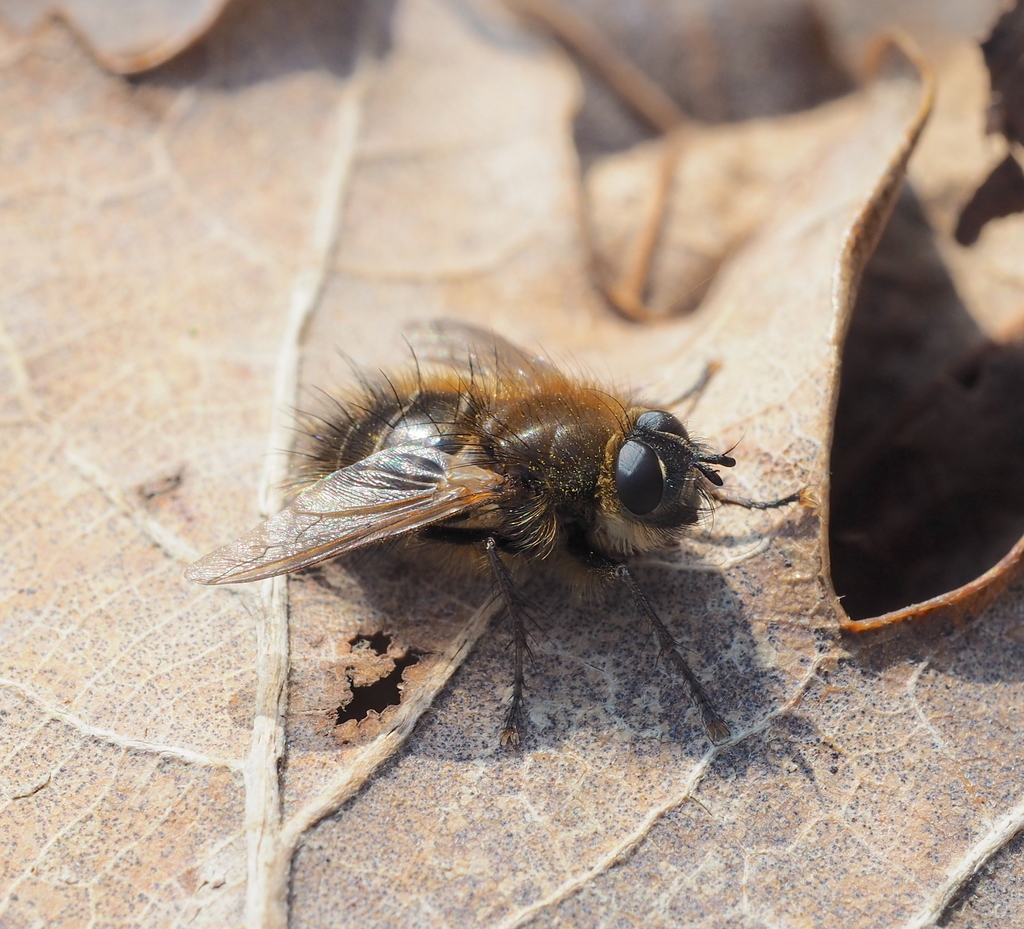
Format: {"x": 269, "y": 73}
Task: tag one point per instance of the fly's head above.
{"x": 654, "y": 484}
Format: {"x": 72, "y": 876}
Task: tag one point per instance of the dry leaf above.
{"x": 933, "y": 353}
{"x": 180, "y": 253}
{"x": 124, "y": 37}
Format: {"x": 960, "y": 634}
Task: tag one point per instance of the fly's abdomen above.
{"x": 386, "y": 416}
{"x": 436, "y": 418}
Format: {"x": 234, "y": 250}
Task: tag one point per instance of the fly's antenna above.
{"x": 703, "y": 464}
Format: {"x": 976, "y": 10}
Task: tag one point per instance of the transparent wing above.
{"x": 386, "y": 494}
{"x": 465, "y": 347}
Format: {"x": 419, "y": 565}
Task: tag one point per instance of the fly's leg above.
{"x": 714, "y": 725}
{"x": 515, "y": 604}
{"x": 756, "y": 504}
{"x": 694, "y": 393}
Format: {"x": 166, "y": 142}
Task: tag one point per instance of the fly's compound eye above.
{"x": 639, "y": 477}
{"x": 660, "y": 421}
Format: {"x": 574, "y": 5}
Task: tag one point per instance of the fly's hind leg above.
{"x": 515, "y": 604}
{"x": 715, "y": 726}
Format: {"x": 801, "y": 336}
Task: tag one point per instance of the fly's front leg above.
{"x": 714, "y": 725}
{"x": 514, "y": 602}
{"x": 722, "y": 497}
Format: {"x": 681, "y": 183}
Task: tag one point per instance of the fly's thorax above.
{"x": 553, "y": 444}
{"x": 549, "y": 442}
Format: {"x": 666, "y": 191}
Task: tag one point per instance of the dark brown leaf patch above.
{"x": 1004, "y": 57}
{"x": 1000, "y": 194}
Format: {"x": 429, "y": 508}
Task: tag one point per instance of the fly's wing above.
{"x": 386, "y": 494}
{"x": 466, "y": 347}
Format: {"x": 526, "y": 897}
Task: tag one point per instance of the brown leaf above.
{"x": 180, "y": 253}
{"x": 933, "y": 363}
{"x": 125, "y": 38}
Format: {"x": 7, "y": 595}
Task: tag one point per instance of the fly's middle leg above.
{"x": 715, "y": 726}
{"x": 514, "y": 603}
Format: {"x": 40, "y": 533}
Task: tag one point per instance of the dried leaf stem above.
{"x": 997, "y": 838}
{"x": 628, "y": 80}
{"x": 266, "y": 892}
{"x": 655, "y": 106}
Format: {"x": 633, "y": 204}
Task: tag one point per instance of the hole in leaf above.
{"x": 380, "y": 642}
{"x": 383, "y": 692}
